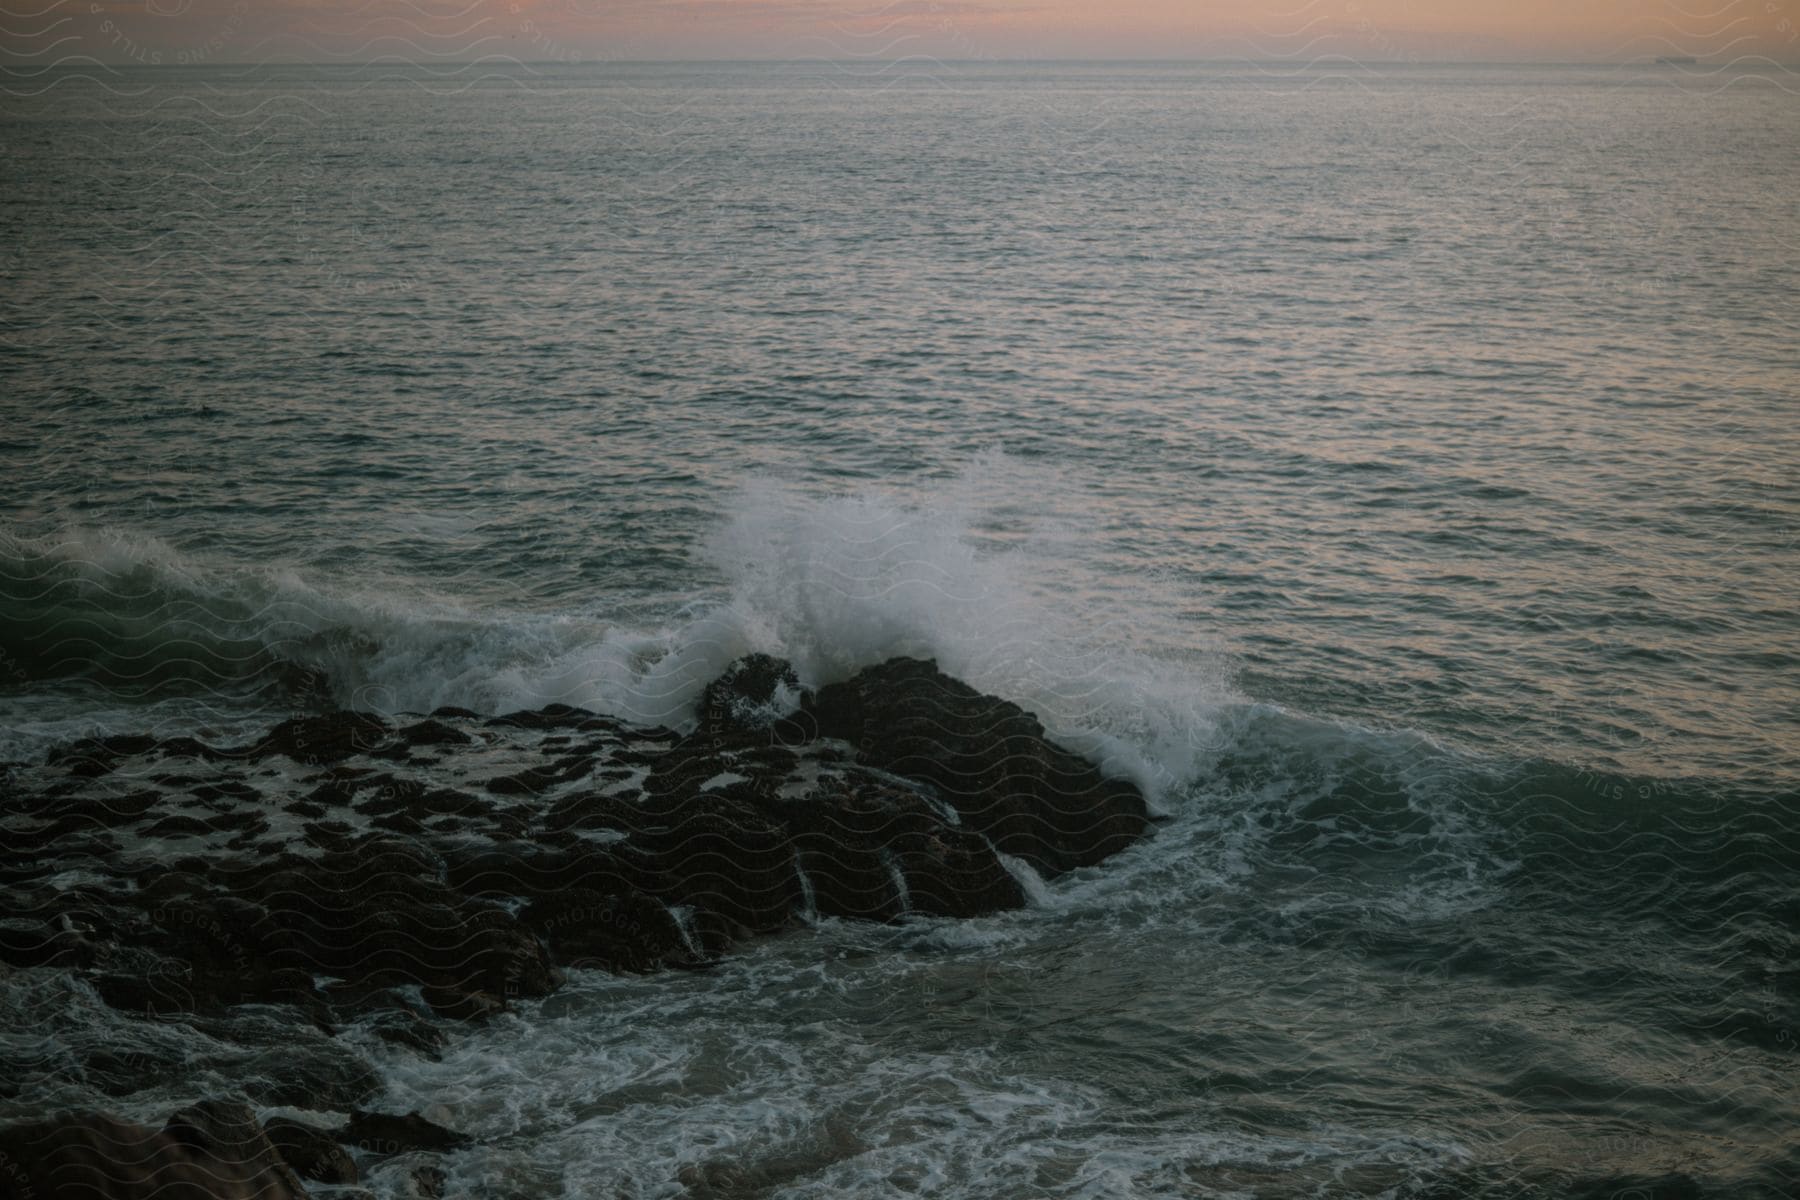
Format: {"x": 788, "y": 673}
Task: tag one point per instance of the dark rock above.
{"x": 429, "y": 1181}
{"x": 591, "y": 811}
{"x": 695, "y": 761}
{"x": 877, "y": 852}
{"x": 334, "y": 836}
{"x": 168, "y": 991}
{"x": 555, "y": 716}
{"x": 462, "y": 1004}
{"x": 115, "y": 811}
{"x": 404, "y": 1027}
{"x": 335, "y": 793}
{"x": 533, "y": 782}
{"x": 258, "y": 983}
{"x": 326, "y": 1075}
{"x": 30, "y": 838}
{"x": 208, "y": 983}
{"x": 242, "y": 822}
{"x": 533, "y": 871}
{"x": 988, "y": 758}
{"x": 388, "y": 1133}
{"x": 724, "y": 858}
{"x": 212, "y": 932}
{"x": 15, "y": 870}
{"x": 381, "y": 915}
{"x": 224, "y": 789}
{"x": 92, "y": 757}
{"x": 434, "y": 733}
{"x": 620, "y": 929}
{"x": 324, "y": 739}
{"x": 31, "y": 942}
{"x": 303, "y": 683}
{"x": 312, "y": 1153}
{"x": 711, "y": 849}
{"x": 229, "y": 1132}
{"x": 387, "y": 795}
{"x": 173, "y": 881}
{"x": 186, "y": 747}
{"x": 396, "y": 752}
{"x": 450, "y": 802}
{"x": 849, "y": 869}
{"x": 121, "y": 1074}
{"x": 210, "y": 1151}
{"x": 396, "y": 823}
{"x": 178, "y": 825}
{"x": 751, "y": 694}
{"x": 538, "y": 780}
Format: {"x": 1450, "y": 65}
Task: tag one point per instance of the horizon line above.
{"x": 603, "y": 60}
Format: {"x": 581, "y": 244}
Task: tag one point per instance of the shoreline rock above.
{"x": 212, "y": 1150}
{"x": 441, "y": 868}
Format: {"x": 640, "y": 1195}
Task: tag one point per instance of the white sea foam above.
{"x": 832, "y": 583}
{"x": 653, "y": 1089}
{"x": 1037, "y": 892}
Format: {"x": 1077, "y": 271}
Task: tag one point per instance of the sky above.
{"x": 1297, "y": 32}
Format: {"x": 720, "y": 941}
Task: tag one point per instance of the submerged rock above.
{"x": 209, "y": 1151}
{"x": 430, "y": 732}
{"x": 391, "y": 1133}
{"x": 321, "y": 740}
{"x": 312, "y": 1153}
{"x": 428, "y": 1181}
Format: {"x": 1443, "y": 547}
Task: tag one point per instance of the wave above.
{"x": 836, "y": 583}
{"x": 832, "y": 583}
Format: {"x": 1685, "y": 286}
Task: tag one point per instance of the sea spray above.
{"x": 1037, "y": 892}
{"x": 902, "y": 893}
{"x": 831, "y": 582}
{"x": 809, "y": 910}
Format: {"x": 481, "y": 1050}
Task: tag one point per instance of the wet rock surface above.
{"x": 404, "y": 875}
{"x": 210, "y": 1151}
{"x": 213, "y": 1150}
{"x": 391, "y": 1133}
{"x": 985, "y": 756}
{"x": 312, "y": 1153}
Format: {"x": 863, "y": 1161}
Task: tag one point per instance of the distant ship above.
{"x": 1676, "y": 60}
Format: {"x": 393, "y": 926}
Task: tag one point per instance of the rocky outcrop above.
{"x": 441, "y": 868}
{"x": 391, "y": 1133}
{"x": 211, "y": 1151}
{"x": 751, "y": 694}
{"x": 312, "y": 1153}
{"x": 987, "y": 757}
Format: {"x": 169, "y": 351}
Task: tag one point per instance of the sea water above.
{"x": 1395, "y": 471}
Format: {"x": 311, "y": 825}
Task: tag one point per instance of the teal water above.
{"x": 1398, "y": 476}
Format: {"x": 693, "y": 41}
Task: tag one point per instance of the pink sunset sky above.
{"x": 1289, "y": 31}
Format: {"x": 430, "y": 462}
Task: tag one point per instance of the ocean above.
{"x": 1393, "y": 470}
